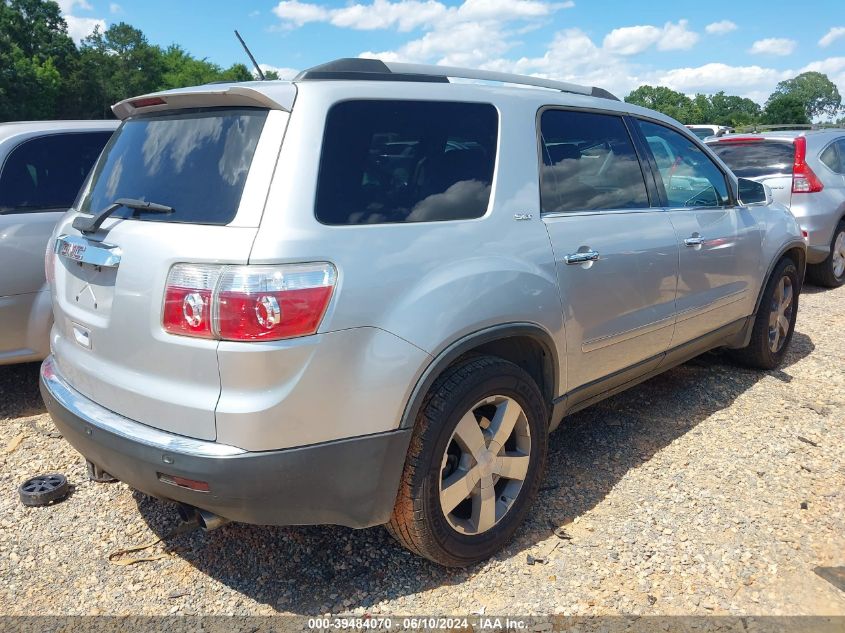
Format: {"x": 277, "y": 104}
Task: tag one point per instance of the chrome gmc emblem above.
{"x": 72, "y": 251}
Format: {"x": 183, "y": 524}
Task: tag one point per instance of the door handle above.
{"x": 696, "y": 240}
{"x": 580, "y": 258}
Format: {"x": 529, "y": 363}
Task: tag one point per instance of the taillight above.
{"x": 247, "y": 303}
{"x": 50, "y": 262}
{"x": 804, "y": 179}
{"x": 187, "y": 299}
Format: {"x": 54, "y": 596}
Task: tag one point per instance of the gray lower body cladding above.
{"x": 351, "y": 482}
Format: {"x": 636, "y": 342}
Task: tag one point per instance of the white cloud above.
{"x": 487, "y": 33}
{"x": 407, "y": 15}
{"x": 833, "y": 34}
{"x": 115, "y": 8}
{"x": 296, "y": 13}
{"x": 80, "y": 28}
{"x": 721, "y": 27}
{"x": 67, "y": 6}
{"x": 284, "y": 73}
{"x": 773, "y": 46}
{"x": 677, "y": 37}
{"x": 631, "y": 40}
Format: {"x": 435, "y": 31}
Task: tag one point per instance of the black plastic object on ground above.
{"x": 44, "y": 490}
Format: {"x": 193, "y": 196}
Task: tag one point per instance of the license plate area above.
{"x": 90, "y": 287}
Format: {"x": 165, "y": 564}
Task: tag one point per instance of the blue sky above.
{"x": 742, "y": 47}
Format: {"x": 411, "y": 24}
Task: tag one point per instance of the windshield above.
{"x": 752, "y": 159}
{"x": 195, "y": 161}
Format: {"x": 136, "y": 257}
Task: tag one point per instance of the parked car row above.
{"x": 382, "y": 326}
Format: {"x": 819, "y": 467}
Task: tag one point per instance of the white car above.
{"x": 42, "y": 166}
{"x": 705, "y": 131}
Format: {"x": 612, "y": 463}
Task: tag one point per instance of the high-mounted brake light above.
{"x": 247, "y": 303}
{"x": 146, "y": 102}
{"x": 740, "y": 139}
{"x": 804, "y": 179}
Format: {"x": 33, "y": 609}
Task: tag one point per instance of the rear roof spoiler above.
{"x": 275, "y": 95}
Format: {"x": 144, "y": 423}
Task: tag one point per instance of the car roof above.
{"x": 782, "y": 135}
{"x": 372, "y": 77}
{"x": 30, "y": 128}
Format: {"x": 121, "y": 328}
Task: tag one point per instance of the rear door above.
{"x": 761, "y": 159}
{"x": 39, "y": 181}
{"x": 213, "y": 167}
{"x": 616, "y": 256}
{"x": 719, "y": 242}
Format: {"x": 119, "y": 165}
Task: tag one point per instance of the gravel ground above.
{"x": 707, "y": 490}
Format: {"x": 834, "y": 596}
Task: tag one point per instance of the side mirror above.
{"x": 753, "y": 193}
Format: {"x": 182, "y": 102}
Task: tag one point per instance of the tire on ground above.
{"x": 418, "y": 522}
{"x": 758, "y": 353}
{"x": 823, "y": 274}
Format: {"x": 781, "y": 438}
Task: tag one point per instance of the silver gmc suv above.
{"x": 366, "y": 296}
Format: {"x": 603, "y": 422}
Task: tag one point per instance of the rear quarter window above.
{"x": 406, "y": 161}
{"x": 752, "y": 159}
{"x": 195, "y": 161}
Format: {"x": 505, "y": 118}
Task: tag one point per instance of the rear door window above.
{"x": 689, "y": 176}
{"x": 195, "y": 161}
{"x": 589, "y": 163}
{"x": 406, "y": 161}
{"x": 753, "y": 159}
{"x": 45, "y": 173}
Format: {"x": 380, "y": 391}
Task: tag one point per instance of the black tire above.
{"x": 43, "y": 490}
{"x": 758, "y": 353}
{"x": 418, "y": 521}
{"x": 823, "y": 274}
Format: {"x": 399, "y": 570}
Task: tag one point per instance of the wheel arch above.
{"x": 794, "y": 250}
{"x": 527, "y": 345}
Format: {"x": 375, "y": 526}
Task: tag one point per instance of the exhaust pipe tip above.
{"x": 209, "y": 521}
{"x": 188, "y": 514}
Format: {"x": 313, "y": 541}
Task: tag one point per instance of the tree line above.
{"x": 808, "y": 96}
{"x": 44, "y": 74}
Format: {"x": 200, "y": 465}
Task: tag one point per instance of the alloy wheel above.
{"x": 780, "y": 315}
{"x": 838, "y": 255}
{"x": 485, "y": 465}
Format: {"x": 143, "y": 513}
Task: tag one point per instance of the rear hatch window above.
{"x": 753, "y": 159}
{"x": 195, "y": 161}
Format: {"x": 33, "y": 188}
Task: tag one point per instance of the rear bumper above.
{"x": 351, "y": 482}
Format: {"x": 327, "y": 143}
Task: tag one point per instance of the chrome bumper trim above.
{"x": 95, "y": 415}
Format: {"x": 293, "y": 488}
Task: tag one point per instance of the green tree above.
{"x": 732, "y": 110}
{"x": 674, "y": 104}
{"x": 815, "y": 91}
{"x": 36, "y": 56}
{"x": 116, "y": 64}
{"x": 784, "y": 108}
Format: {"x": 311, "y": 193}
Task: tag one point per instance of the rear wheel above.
{"x": 831, "y": 272}
{"x": 474, "y": 464}
{"x": 775, "y": 320}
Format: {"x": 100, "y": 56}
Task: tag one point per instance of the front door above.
{"x": 616, "y": 256}
{"x": 719, "y": 241}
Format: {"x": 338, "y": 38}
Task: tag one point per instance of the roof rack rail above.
{"x": 377, "y": 70}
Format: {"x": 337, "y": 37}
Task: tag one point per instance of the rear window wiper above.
{"x": 91, "y": 224}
